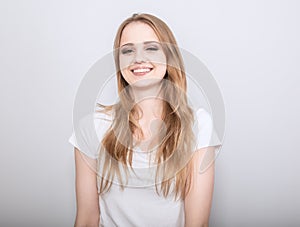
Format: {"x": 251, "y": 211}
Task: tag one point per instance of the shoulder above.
{"x": 102, "y": 118}
{"x": 89, "y": 132}
{"x": 94, "y": 121}
{"x": 203, "y": 119}
{"x": 95, "y": 124}
{"x": 206, "y": 134}
{"x": 203, "y": 115}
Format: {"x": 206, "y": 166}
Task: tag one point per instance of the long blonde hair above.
{"x": 176, "y": 146}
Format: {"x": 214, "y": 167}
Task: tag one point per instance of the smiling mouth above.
{"x": 141, "y": 71}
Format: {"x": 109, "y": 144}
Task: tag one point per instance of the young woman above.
{"x": 147, "y": 170}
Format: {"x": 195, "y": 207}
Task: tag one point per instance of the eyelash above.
{"x": 126, "y": 51}
{"x": 129, "y": 51}
{"x": 152, "y": 48}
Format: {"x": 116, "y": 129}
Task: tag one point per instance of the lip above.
{"x": 141, "y": 70}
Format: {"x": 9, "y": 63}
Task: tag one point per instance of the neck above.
{"x": 150, "y": 122}
{"x": 152, "y": 108}
{"x": 149, "y": 99}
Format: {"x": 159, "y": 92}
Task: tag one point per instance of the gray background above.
{"x": 252, "y": 49}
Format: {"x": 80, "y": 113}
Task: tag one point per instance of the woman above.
{"x": 150, "y": 128}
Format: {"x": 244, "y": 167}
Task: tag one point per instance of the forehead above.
{"x": 137, "y": 32}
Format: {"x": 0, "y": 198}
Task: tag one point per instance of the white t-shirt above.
{"x": 138, "y": 206}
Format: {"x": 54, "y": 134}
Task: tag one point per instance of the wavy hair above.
{"x": 175, "y": 148}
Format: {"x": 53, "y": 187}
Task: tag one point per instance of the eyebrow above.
{"x": 146, "y": 42}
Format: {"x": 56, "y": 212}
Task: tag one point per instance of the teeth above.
{"x": 142, "y": 70}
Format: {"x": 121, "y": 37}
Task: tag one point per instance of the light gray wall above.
{"x": 252, "y": 49}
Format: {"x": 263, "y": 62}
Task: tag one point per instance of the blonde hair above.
{"x": 175, "y": 148}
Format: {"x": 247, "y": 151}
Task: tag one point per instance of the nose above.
{"x": 139, "y": 56}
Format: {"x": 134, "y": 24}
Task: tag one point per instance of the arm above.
{"x": 199, "y": 199}
{"x": 87, "y": 198}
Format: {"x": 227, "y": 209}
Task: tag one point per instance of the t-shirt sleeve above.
{"x": 206, "y": 135}
{"x": 84, "y": 137}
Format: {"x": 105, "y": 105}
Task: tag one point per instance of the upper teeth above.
{"x": 142, "y": 70}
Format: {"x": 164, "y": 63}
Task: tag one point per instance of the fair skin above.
{"x": 199, "y": 200}
{"x": 87, "y": 199}
{"x": 139, "y": 46}
{"x": 143, "y": 66}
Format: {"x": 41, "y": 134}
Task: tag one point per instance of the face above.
{"x": 141, "y": 55}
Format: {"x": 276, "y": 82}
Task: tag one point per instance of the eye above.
{"x": 152, "y": 48}
{"x": 127, "y": 51}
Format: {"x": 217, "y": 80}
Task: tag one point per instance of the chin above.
{"x": 146, "y": 82}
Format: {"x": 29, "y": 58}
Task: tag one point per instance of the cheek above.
{"x": 157, "y": 57}
{"x": 160, "y": 62}
{"x": 125, "y": 62}
{"x": 160, "y": 70}
{"x": 126, "y": 75}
